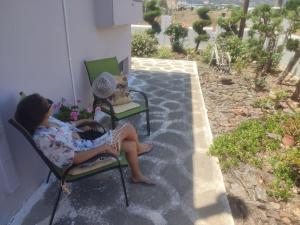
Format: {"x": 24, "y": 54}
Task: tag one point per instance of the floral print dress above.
{"x": 59, "y": 144}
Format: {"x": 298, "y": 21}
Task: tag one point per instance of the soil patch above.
{"x": 228, "y": 104}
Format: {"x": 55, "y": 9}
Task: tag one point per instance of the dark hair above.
{"x": 31, "y": 112}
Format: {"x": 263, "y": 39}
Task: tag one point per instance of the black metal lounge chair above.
{"x": 75, "y": 172}
{"x": 96, "y": 67}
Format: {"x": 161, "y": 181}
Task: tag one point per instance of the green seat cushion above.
{"x": 96, "y": 67}
{"x": 114, "y": 164}
{"x": 127, "y": 113}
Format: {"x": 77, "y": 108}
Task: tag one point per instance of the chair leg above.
{"x": 113, "y": 123}
{"x": 55, "y": 206}
{"x": 124, "y": 187}
{"x": 49, "y": 174}
{"x": 148, "y": 122}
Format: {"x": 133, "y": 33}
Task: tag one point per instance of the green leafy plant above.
{"x": 252, "y": 138}
{"x": 240, "y": 145}
{"x": 177, "y": 33}
{"x": 192, "y": 54}
{"x": 207, "y": 53}
{"x": 260, "y": 83}
{"x": 164, "y": 53}
{"x": 198, "y": 26}
{"x": 230, "y": 24}
{"x": 265, "y": 103}
{"x": 152, "y": 11}
{"x": 271, "y": 103}
{"x": 293, "y": 157}
{"x": 71, "y": 112}
{"x": 291, "y": 126}
{"x": 285, "y": 175}
{"x": 236, "y": 48}
{"x": 143, "y": 45}
{"x": 267, "y": 25}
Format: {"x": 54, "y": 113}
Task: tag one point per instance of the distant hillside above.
{"x": 237, "y": 2}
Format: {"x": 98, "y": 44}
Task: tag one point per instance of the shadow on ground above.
{"x": 174, "y": 113}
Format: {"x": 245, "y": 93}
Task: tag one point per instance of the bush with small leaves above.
{"x": 207, "y": 53}
{"x": 230, "y": 24}
{"x": 198, "y": 26}
{"x": 254, "y": 138}
{"x": 177, "y": 33}
{"x": 152, "y": 11}
{"x": 143, "y": 45}
{"x": 164, "y": 53}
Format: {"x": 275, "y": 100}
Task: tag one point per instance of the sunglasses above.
{"x": 50, "y": 102}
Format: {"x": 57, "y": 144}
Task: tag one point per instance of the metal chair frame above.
{"x": 63, "y": 177}
{"x": 110, "y": 111}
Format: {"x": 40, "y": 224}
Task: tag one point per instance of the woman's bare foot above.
{"x": 145, "y": 148}
{"x": 142, "y": 180}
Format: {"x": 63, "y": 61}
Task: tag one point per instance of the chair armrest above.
{"x": 106, "y": 102}
{"x": 88, "y": 160}
{"x": 143, "y": 94}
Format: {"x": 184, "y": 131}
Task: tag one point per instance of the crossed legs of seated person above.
{"x": 125, "y": 138}
{"x": 62, "y": 145}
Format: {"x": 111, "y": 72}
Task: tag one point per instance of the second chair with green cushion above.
{"x": 94, "y": 69}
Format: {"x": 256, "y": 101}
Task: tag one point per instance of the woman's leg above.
{"x": 130, "y": 149}
{"x": 129, "y": 133}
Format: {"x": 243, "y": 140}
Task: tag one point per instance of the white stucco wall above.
{"x": 33, "y": 58}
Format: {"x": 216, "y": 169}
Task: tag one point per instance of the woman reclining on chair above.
{"x": 61, "y": 143}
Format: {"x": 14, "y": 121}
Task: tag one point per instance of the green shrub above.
{"x": 286, "y": 176}
{"x": 143, "y": 45}
{"x": 192, "y": 54}
{"x": 151, "y": 13}
{"x": 236, "y": 47}
{"x": 268, "y": 103}
{"x": 177, "y": 33}
{"x": 207, "y": 53}
{"x": 164, "y": 53}
{"x": 265, "y": 103}
{"x": 253, "y": 137}
{"x": 198, "y": 25}
{"x": 230, "y": 24}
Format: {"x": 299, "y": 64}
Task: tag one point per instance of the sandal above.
{"x": 146, "y": 182}
{"x": 151, "y": 146}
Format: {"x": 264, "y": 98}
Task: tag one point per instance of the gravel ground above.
{"x": 228, "y": 104}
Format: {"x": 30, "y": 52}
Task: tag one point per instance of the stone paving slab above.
{"x": 189, "y": 188}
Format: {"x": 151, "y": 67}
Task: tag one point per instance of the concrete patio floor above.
{"x": 189, "y": 190}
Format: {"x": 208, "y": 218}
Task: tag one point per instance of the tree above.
{"x": 243, "y": 19}
{"x": 267, "y": 24}
{"x": 151, "y": 12}
{"x": 292, "y": 45}
{"x": 292, "y": 12}
{"x": 177, "y": 33}
{"x": 296, "y": 93}
{"x": 230, "y": 24}
{"x": 198, "y": 26}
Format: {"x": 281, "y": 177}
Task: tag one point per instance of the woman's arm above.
{"x": 86, "y": 155}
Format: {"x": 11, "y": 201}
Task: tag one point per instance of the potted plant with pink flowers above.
{"x": 67, "y": 112}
